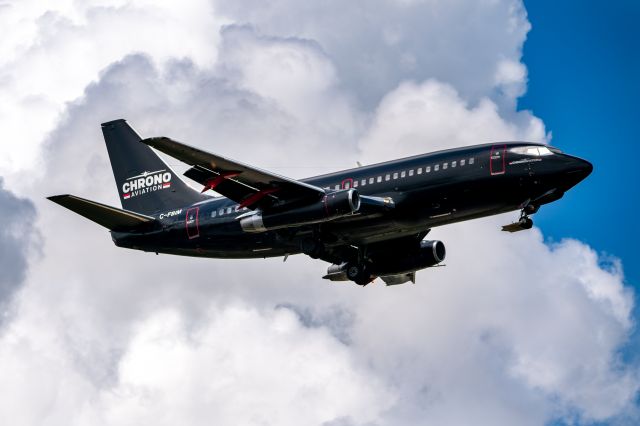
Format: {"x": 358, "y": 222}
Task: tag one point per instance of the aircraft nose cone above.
{"x": 576, "y": 169}
{"x": 581, "y": 167}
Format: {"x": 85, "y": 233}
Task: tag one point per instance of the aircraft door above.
{"x": 192, "y": 223}
{"x": 497, "y": 160}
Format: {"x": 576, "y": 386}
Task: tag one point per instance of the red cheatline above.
{"x": 212, "y": 183}
{"x": 125, "y": 196}
{"x": 254, "y": 198}
{"x": 166, "y": 185}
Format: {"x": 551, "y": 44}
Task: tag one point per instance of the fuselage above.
{"x": 428, "y": 190}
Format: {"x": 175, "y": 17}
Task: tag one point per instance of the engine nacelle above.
{"x": 430, "y": 253}
{"x": 332, "y": 206}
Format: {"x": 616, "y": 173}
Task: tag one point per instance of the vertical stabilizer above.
{"x": 146, "y": 184}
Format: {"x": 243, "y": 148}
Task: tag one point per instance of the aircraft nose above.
{"x": 580, "y": 166}
{"x": 576, "y": 169}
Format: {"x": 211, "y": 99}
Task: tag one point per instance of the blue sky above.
{"x": 584, "y": 68}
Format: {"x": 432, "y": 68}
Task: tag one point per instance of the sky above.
{"x": 533, "y": 328}
{"x": 583, "y": 64}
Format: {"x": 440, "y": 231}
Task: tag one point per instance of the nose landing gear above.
{"x": 524, "y": 222}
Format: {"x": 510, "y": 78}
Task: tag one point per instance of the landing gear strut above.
{"x": 312, "y": 247}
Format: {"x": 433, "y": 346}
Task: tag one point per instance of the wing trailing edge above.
{"x": 112, "y": 218}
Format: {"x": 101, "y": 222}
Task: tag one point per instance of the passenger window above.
{"x": 436, "y": 167}
{"x": 228, "y": 210}
{"x": 444, "y": 166}
{"x": 403, "y": 174}
{"x": 428, "y": 169}
{"x": 411, "y": 172}
{"x": 221, "y": 211}
{"x": 395, "y": 175}
{"x": 453, "y": 163}
{"x": 471, "y": 160}
{"x": 379, "y": 179}
{"x": 363, "y": 182}
{"x": 355, "y": 183}
{"x": 419, "y": 170}
{"x": 371, "y": 180}
{"x": 214, "y": 213}
{"x": 462, "y": 162}
{"x": 387, "y": 177}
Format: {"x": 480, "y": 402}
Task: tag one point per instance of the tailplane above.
{"x": 146, "y": 184}
{"x": 112, "y": 218}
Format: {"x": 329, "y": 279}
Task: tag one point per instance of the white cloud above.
{"x": 512, "y": 331}
{"x": 54, "y": 50}
{"x": 415, "y": 118}
{"x": 175, "y": 372}
{"x": 18, "y": 242}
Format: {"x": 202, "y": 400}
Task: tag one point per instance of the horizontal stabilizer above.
{"x": 111, "y": 218}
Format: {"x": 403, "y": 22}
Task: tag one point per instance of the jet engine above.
{"x": 429, "y": 253}
{"x": 393, "y": 267}
{"x": 333, "y": 205}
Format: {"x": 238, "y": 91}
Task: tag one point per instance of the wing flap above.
{"x": 236, "y": 180}
{"x": 111, "y": 218}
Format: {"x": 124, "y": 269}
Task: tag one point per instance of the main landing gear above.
{"x": 358, "y": 273}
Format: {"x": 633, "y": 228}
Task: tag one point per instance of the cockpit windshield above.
{"x": 536, "y": 151}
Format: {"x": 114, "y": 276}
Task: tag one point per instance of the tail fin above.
{"x": 146, "y": 184}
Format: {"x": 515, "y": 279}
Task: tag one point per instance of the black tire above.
{"x": 354, "y": 271}
{"x": 358, "y": 273}
{"x": 526, "y": 223}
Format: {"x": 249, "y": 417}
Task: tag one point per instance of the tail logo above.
{"x": 146, "y": 182}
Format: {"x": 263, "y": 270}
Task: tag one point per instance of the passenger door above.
{"x": 192, "y": 223}
{"x": 497, "y": 160}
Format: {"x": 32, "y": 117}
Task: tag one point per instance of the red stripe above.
{"x": 212, "y": 183}
{"x": 254, "y": 198}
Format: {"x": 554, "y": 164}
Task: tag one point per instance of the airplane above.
{"x": 367, "y": 222}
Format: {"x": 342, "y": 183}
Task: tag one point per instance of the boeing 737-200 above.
{"x": 368, "y": 222}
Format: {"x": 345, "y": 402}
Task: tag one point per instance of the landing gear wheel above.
{"x": 526, "y": 223}
{"x": 358, "y": 273}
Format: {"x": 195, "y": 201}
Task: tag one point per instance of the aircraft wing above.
{"x": 249, "y": 186}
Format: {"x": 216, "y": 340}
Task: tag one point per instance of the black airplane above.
{"x": 368, "y": 222}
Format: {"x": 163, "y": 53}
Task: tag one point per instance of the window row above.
{"x": 404, "y": 173}
{"x": 227, "y": 210}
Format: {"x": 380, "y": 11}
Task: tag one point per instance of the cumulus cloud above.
{"x": 433, "y": 115}
{"x": 512, "y": 331}
{"x": 17, "y": 240}
{"x": 54, "y": 50}
{"x": 378, "y": 44}
{"x": 284, "y": 374}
